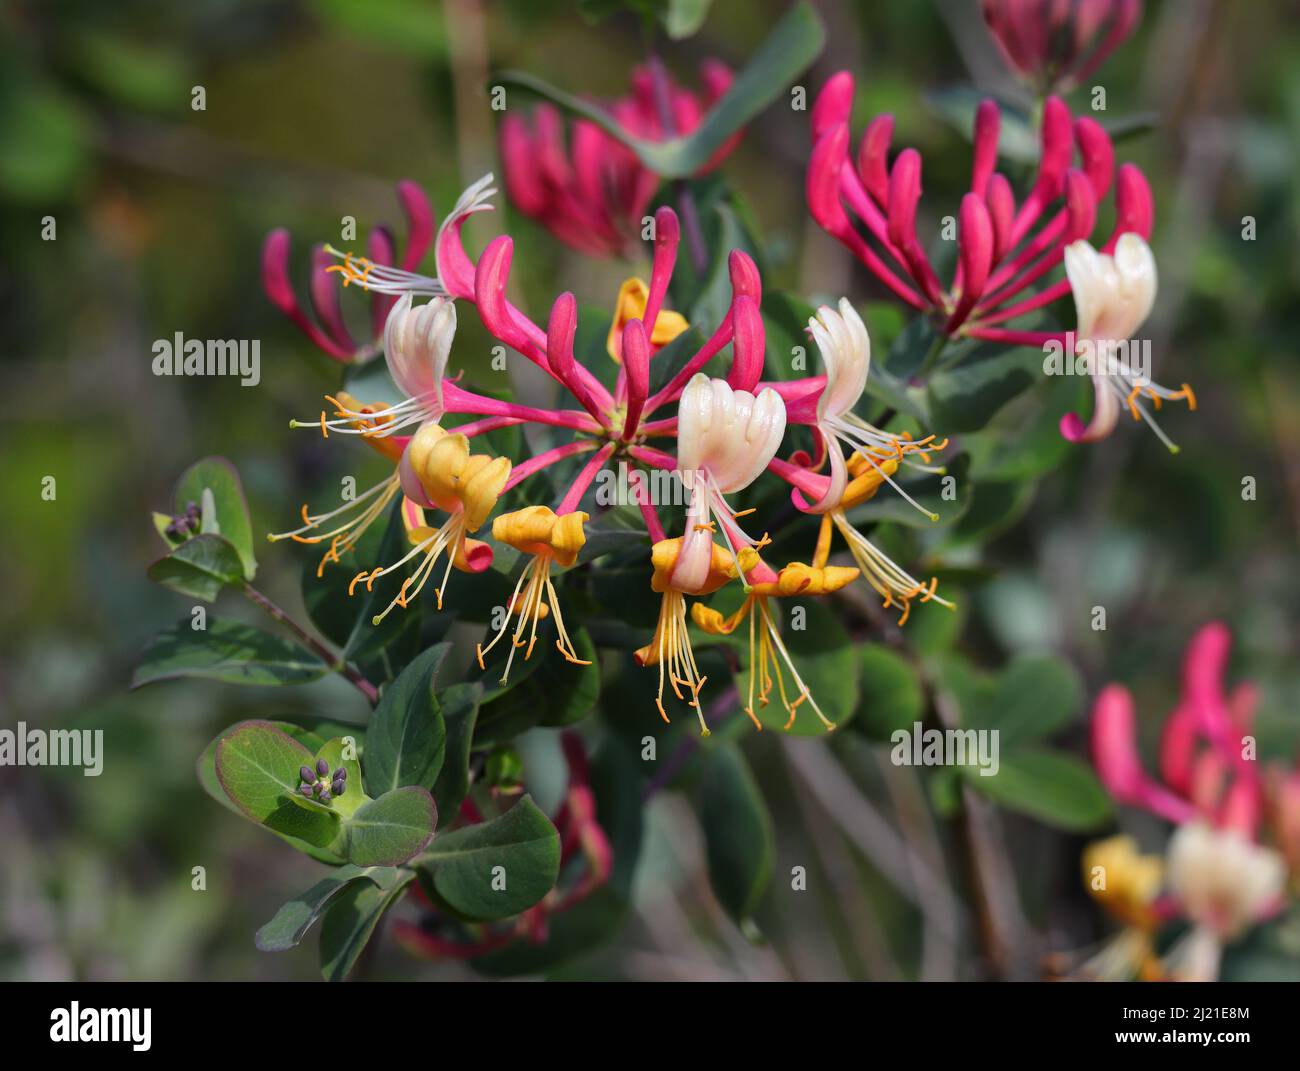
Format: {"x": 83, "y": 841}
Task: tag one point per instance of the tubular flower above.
{"x": 593, "y": 193}
{"x": 670, "y": 649}
{"x": 417, "y": 345}
{"x": 1002, "y": 249}
{"x": 874, "y": 458}
{"x": 438, "y": 471}
{"x": 328, "y": 328}
{"x": 352, "y": 519}
{"x": 1055, "y": 45}
{"x": 539, "y": 532}
{"x": 766, "y": 648}
{"x": 1113, "y": 295}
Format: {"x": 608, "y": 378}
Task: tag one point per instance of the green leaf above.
{"x": 407, "y": 737}
{"x": 47, "y": 137}
{"x": 219, "y": 478}
{"x": 685, "y": 17}
{"x": 391, "y": 829}
{"x": 257, "y": 765}
{"x": 558, "y": 692}
{"x": 966, "y": 397}
{"x": 793, "y": 43}
{"x": 1035, "y": 696}
{"x": 352, "y": 918}
{"x": 460, "y": 707}
{"x": 291, "y": 923}
{"x": 1057, "y": 789}
{"x": 225, "y": 651}
{"x": 518, "y": 852}
{"x": 200, "y": 567}
{"x": 891, "y": 693}
{"x": 737, "y": 831}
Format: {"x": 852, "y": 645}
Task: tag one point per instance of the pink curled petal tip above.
{"x": 748, "y": 344}
{"x": 745, "y": 278}
{"x": 873, "y": 157}
{"x": 419, "y": 222}
{"x": 1097, "y": 152}
{"x": 834, "y": 104}
{"x": 275, "y": 270}
{"x": 822, "y": 185}
{"x": 988, "y": 122}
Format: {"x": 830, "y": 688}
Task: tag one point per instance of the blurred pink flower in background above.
{"x": 585, "y": 187}
{"x": 1058, "y": 44}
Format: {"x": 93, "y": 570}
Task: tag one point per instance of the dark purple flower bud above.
{"x": 325, "y": 795}
{"x": 338, "y": 787}
{"x": 322, "y": 767}
{"x": 305, "y": 789}
{"x": 306, "y": 774}
{"x": 317, "y": 787}
{"x": 341, "y": 774}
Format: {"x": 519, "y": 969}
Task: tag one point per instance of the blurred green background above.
{"x": 313, "y": 110}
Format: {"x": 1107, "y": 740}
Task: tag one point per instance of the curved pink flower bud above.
{"x": 636, "y": 365}
{"x": 1080, "y": 206}
{"x": 1002, "y": 211}
{"x": 822, "y": 185}
{"x": 1178, "y": 742}
{"x": 1057, "y": 146}
{"x": 1113, "y": 732}
{"x": 716, "y": 77}
{"x": 324, "y": 291}
{"x": 1097, "y": 152}
{"x": 276, "y": 285}
{"x": 974, "y": 253}
{"x": 745, "y": 279}
{"x": 904, "y": 195}
{"x": 833, "y": 106}
{"x": 873, "y": 157}
{"x": 748, "y": 344}
{"x": 668, "y": 236}
{"x": 523, "y": 181}
{"x": 1134, "y": 206}
{"x": 419, "y": 222}
{"x": 988, "y": 121}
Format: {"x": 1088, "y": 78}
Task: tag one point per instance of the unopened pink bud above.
{"x": 1002, "y": 211}
{"x": 1134, "y": 207}
{"x": 1080, "y": 204}
{"x": 988, "y": 122}
{"x": 275, "y": 271}
{"x": 834, "y": 104}
{"x": 490, "y": 279}
{"x": 419, "y": 222}
{"x": 873, "y": 157}
{"x": 904, "y": 195}
{"x": 1097, "y": 152}
{"x": 744, "y": 275}
{"x": 747, "y": 344}
{"x": 1114, "y": 744}
{"x": 823, "y": 182}
{"x": 975, "y": 247}
{"x": 636, "y": 364}
{"x": 1057, "y": 146}
{"x": 523, "y": 181}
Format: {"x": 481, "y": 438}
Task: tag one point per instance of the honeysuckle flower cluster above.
{"x": 1059, "y": 44}
{"x": 727, "y": 432}
{"x": 587, "y": 188}
{"x": 1226, "y": 865}
{"x": 1004, "y": 248}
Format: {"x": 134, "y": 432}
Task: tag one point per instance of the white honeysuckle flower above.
{"x": 728, "y": 436}
{"x": 725, "y": 439}
{"x": 417, "y": 346}
{"x": 1113, "y": 296}
{"x": 845, "y": 348}
{"x": 1224, "y": 883}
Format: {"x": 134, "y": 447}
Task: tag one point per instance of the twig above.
{"x": 335, "y": 663}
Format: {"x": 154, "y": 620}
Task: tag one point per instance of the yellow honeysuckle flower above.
{"x": 766, "y": 648}
{"x": 670, "y": 649}
{"x": 633, "y": 296}
{"x": 538, "y": 531}
{"x": 366, "y": 507}
{"x": 1123, "y": 880}
{"x": 437, "y": 470}
{"x": 893, "y": 583}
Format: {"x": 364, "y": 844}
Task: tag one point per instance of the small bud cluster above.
{"x": 186, "y": 524}
{"x": 318, "y": 782}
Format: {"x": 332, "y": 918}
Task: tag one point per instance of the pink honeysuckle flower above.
{"x": 1113, "y": 295}
{"x": 1203, "y": 764}
{"x": 593, "y": 193}
{"x": 826, "y": 404}
{"x": 1058, "y": 44}
{"x": 328, "y": 328}
{"x": 1003, "y": 248}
